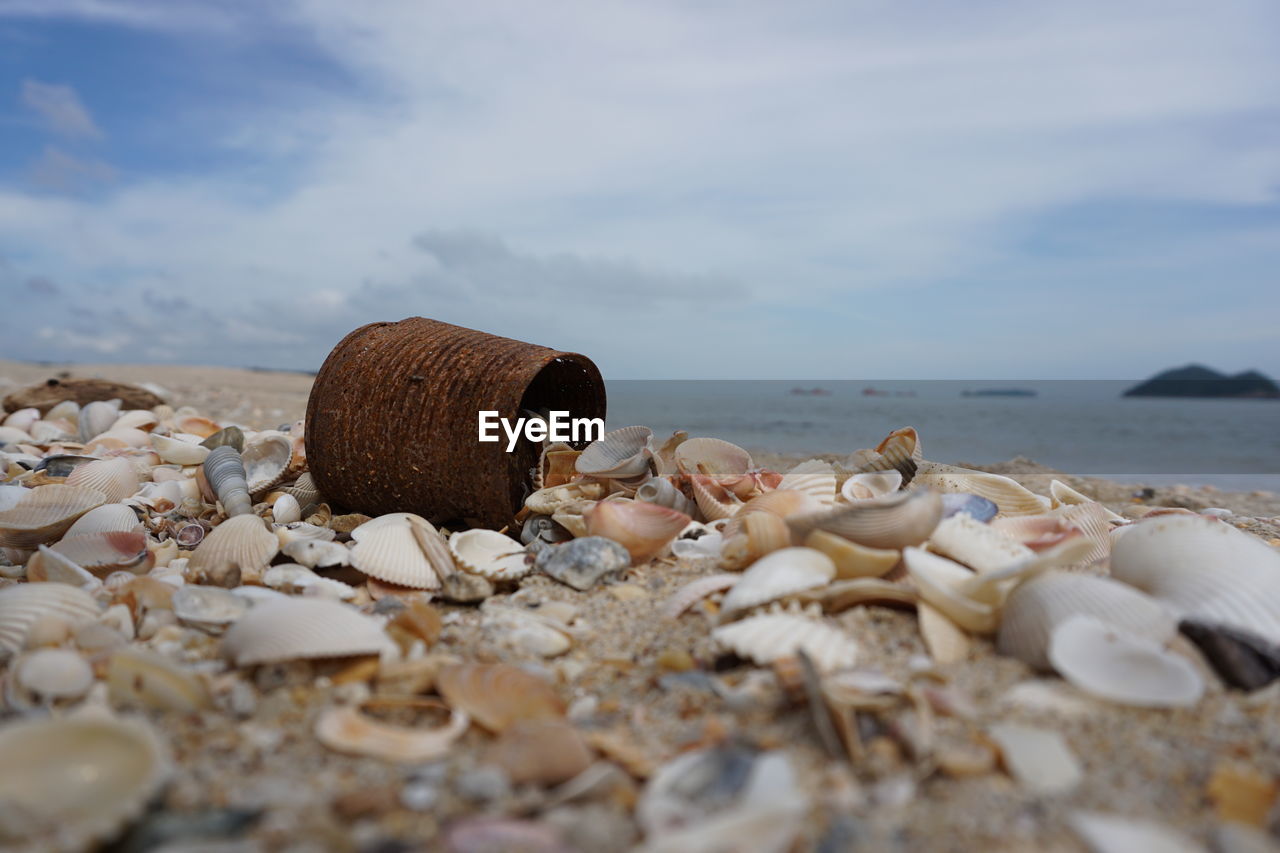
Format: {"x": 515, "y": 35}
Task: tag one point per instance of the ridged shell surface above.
{"x": 815, "y": 478}
{"x": 21, "y": 606}
{"x": 777, "y": 575}
{"x": 767, "y": 637}
{"x": 109, "y": 518}
{"x": 713, "y": 457}
{"x": 977, "y": 545}
{"x": 388, "y": 549}
{"x": 491, "y": 554}
{"x": 893, "y": 521}
{"x": 45, "y": 514}
{"x": 616, "y": 455}
{"x": 296, "y": 628}
{"x": 1008, "y": 494}
{"x": 243, "y": 541}
{"x": 266, "y": 458}
{"x": 116, "y": 478}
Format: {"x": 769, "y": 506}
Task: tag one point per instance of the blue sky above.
{"x": 750, "y": 189}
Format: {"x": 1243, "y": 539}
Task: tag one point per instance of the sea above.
{"x": 1080, "y": 427}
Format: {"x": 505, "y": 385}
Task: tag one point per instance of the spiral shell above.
{"x": 225, "y": 473}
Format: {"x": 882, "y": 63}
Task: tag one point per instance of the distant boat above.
{"x": 999, "y": 392}
{"x": 874, "y": 392}
{"x": 810, "y": 392}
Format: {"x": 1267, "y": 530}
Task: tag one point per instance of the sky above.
{"x": 751, "y": 189}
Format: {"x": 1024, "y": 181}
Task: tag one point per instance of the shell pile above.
{"x": 159, "y": 563}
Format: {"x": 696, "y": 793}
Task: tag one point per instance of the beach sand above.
{"x": 645, "y": 689}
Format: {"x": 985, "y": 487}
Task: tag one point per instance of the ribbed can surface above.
{"x": 392, "y": 421}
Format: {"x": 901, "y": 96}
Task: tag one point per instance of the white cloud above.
{"x": 60, "y": 108}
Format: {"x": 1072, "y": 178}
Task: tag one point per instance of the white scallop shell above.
{"x": 243, "y": 541}
{"x": 1205, "y": 569}
{"x": 390, "y": 548}
{"x": 766, "y": 637}
{"x": 1036, "y": 607}
{"x": 45, "y": 513}
{"x": 1010, "y": 496}
{"x": 96, "y": 418}
{"x": 1122, "y": 667}
{"x": 315, "y": 553}
{"x": 294, "y": 628}
{"x": 713, "y": 457}
{"x": 978, "y": 546}
{"x": 24, "y": 605}
{"x": 815, "y": 478}
{"x": 292, "y": 577}
{"x": 84, "y": 777}
{"x": 109, "y": 518}
{"x": 491, "y": 554}
{"x": 870, "y": 484}
{"x": 102, "y": 553}
{"x": 266, "y": 459}
{"x": 179, "y": 452}
{"x": 116, "y": 478}
{"x": 616, "y": 455}
{"x": 694, "y": 591}
{"x": 776, "y": 576}
{"x": 892, "y": 521}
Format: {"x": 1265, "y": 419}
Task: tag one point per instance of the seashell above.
{"x": 83, "y": 779}
{"x": 109, "y": 518}
{"x": 851, "y": 559}
{"x": 498, "y": 695}
{"x": 977, "y": 545}
{"x": 179, "y": 452}
{"x": 1121, "y": 666}
{"x": 767, "y": 637}
{"x": 941, "y": 583}
{"x": 777, "y": 575}
{"x": 644, "y": 529}
{"x": 141, "y": 679}
{"x": 266, "y": 458}
{"x": 116, "y": 478}
{"x": 62, "y": 464}
{"x": 698, "y": 541}
{"x": 714, "y": 500}
{"x": 286, "y": 510}
{"x": 490, "y": 554}
{"x": 616, "y": 455}
{"x": 526, "y": 633}
{"x": 893, "y": 521}
{"x": 189, "y": 535}
{"x": 1039, "y": 759}
{"x": 1009, "y": 495}
{"x": 292, "y": 577}
{"x": 551, "y": 500}
{"x": 231, "y": 436}
{"x": 814, "y": 478}
{"x": 68, "y": 410}
{"x": 51, "y": 567}
{"x": 209, "y": 608}
{"x": 1203, "y": 569}
{"x": 661, "y": 491}
{"x": 841, "y": 595}
{"x": 10, "y": 435}
{"x": 96, "y": 418}
{"x": 541, "y": 752}
{"x": 871, "y": 484}
{"x": 1242, "y": 659}
{"x": 694, "y": 591}
{"x": 243, "y": 542}
{"x": 44, "y": 514}
{"x": 118, "y": 439}
{"x": 1063, "y": 495}
{"x": 556, "y": 465}
{"x": 317, "y": 553}
{"x": 51, "y": 675}
{"x": 582, "y": 563}
{"x": 49, "y": 432}
{"x": 300, "y": 531}
{"x": 543, "y": 529}
{"x": 140, "y": 419}
{"x": 711, "y": 457}
{"x": 195, "y": 424}
{"x": 1105, "y": 833}
{"x": 946, "y": 642}
{"x": 346, "y": 729}
{"x": 304, "y": 490}
{"x": 22, "y": 419}
{"x": 102, "y": 553}
{"x": 979, "y": 508}
{"x": 758, "y": 534}
{"x": 225, "y": 473}
{"x": 1036, "y": 607}
{"x": 297, "y": 628}
{"x": 783, "y": 503}
{"x": 393, "y": 548}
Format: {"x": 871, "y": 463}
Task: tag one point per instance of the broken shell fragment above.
{"x": 45, "y": 513}
{"x": 490, "y": 554}
{"x": 1121, "y": 666}
{"x": 317, "y": 553}
{"x": 776, "y": 576}
{"x": 767, "y": 637}
{"x": 497, "y": 695}
{"x": 1039, "y": 759}
{"x": 296, "y": 628}
{"x": 137, "y": 678}
{"x": 1010, "y": 496}
{"x": 348, "y": 730}
{"x": 851, "y": 559}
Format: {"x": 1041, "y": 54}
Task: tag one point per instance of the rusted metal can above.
{"x": 392, "y": 421}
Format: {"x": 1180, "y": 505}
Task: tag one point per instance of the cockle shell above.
{"x": 179, "y": 452}
{"x": 783, "y": 503}
{"x": 851, "y": 559}
{"x": 490, "y": 554}
{"x": 45, "y": 513}
{"x": 1204, "y": 569}
{"x": 109, "y": 518}
{"x": 1044, "y": 530}
{"x": 712, "y": 457}
{"x": 696, "y": 590}
{"x": 348, "y": 730}
{"x": 1036, "y": 607}
{"x": 1063, "y": 495}
{"x": 225, "y": 473}
{"x": 96, "y": 418}
{"x": 140, "y": 419}
{"x": 661, "y": 491}
{"x": 815, "y": 478}
{"x": 1121, "y": 666}
{"x": 714, "y": 500}
{"x": 398, "y": 548}
{"x": 644, "y": 529}
{"x": 1009, "y": 495}
{"x": 551, "y": 500}
{"x": 870, "y": 484}
{"x": 210, "y": 608}
{"x": 243, "y": 541}
{"x": 777, "y": 575}
{"x": 498, "y": 695}
{"x": 304, "y": 490}
{"x": 977, "y": 545}
{"x": 616, "y": 455}
{"x": 893, "y": 521}
{"x": 317, "y": 553}
{"x": 103, "y": 553}
{"x": 757, "y": 534}
{"x": 266, "y": 458}
{"x": 766, "y": 637}
{"x": 194, "y": 424}
{"x": 83, "y": 778}
{"x": 295, "y": 628}
{"x": 116, "y": 478}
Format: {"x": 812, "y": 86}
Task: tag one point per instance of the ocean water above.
{"x": 1081, "y": 427}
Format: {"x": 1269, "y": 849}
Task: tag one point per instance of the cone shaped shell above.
{"x": 45, "y": 513}
{"x": 661, "y": 491}
{"x": 1036, "y": 607}
{"x": 644, "y": 529}
{"x": 777, "y": 575}
{"x": 225, "y": 473}
{"x": 894, "y": 521}
{"x": 116, "y": 478}
{"x": 712, "y": 457}
{"x": 1122, "y": 667}
{"x": 1204, "y": 569}
{"x": 242, "y": 541}
{"x": 616, "y": 455}
{"x": 389, "y": 549}
{"x": 851, "y": 559}
{"x": 498, "y": 695}
{"x": 1011, "y": 497}
{"x": 490, "y": 554}
{"x": 296, "y": 628}
{"x": 23, "y": 605}
{"x": 766, "y": 637}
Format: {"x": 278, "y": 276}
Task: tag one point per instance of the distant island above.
{"x": 1196, "y": 380}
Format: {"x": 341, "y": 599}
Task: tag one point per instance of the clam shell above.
{"x": 45, "y": 513}
{"x": 777, "y": 575}
{"x": 1036, "y": 607}
{"x": 661, "y": 491}
{"x": 225, "y": 472}
{"x": 118, "y": 439}
{"x": 814, "y": 478}
{"x": 758, "y": 534}
{"x": 296, "y": 628}
{"x": 25, "y": 605}
{"x": 286, "y": 510}
{"x": 141, "y": 679}
{"x": 346, "y": 729}
{"x": 109, "y": 518}
{"x": 1203, "y": 569}
{"x": 783, "y": 503}
{"x": 941, "y": 583}
{"x": 1063, "y": 495}
{"x": 243, "y": 541}
{"x": 893, "y": 521}
{"x": 1122, "y": 667}
{"x": 977, "y": 545}
{"x": 208, "y": 607}
{"x": 616, "y": 455}
{"x": 870, "y": 484}
{"x": 694, "y": 591}
{"x": 767, "y": 637}
{"x": 116, "y": 478}
{"x": 22, "y": 419}
{"x": 96, "y": 418}
{"x": 490, "y": 554}
{"x": 304, "y": 490}
{"x": 141, "y": 419}
{"x": 266, "y": 459}
{"x": 102, "y": 553}
{"x": 390, "y": 548}
{"x": 712, "y": 457}
{"x": 317, "y": 553}
{"x": 644, "y": 529}
{"x": 851, "y": 559}
{"x": 945, "y": 640}
{"x": 714, "y": 500}
{"x": 53, "y": 674}
{"x": 179, "y": 452}
{"x": 1010, "y": 496}
{"x": 498, "y": 695}
{"x": 195, "y": 424}
{"x": 83, "y": 778}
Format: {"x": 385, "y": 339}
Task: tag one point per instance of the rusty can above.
{"x": 392, "y": 420}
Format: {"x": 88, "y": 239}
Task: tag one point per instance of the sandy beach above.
{"x": 642, "y": 690}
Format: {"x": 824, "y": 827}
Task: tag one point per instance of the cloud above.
{"x": 42, "y": 286}
{"x": 60, "y": 171}
{"x": 60, "y": 109}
